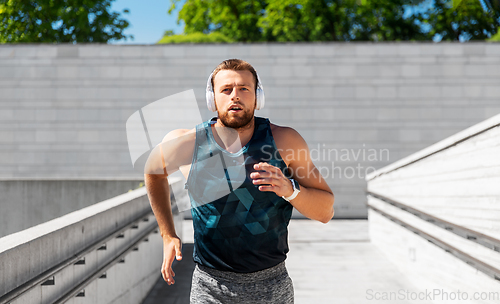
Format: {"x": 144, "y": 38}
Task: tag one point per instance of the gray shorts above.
{"x": 272, "y": 285}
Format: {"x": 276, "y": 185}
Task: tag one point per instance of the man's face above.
{"x": 235, "y": 100}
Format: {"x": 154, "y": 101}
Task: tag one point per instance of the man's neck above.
{"x": 226, "y": 136}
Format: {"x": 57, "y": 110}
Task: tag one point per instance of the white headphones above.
{"x": 261, "y": 99}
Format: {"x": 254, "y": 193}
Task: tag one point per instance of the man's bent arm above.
{"x": 315, "y": 199}
{"x": 316, "y": 204}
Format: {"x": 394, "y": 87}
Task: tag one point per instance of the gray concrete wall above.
{"x": 63, "y": 108}
{"x": 26, "y": 203}
{"x": 26, "y": 254}
{"x": 455, "y": 180}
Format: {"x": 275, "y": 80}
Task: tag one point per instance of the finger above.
{"x": 171, "y": 277}
{"x": 261, "y": 181}
{"x": 166, "y": 276}
{"x": 166, "y": 271}
{"x": 257, "y": 174}
{"x": 271, "y": 170}
{"x": 268, "y": 188}
{"x": 266, "y": 167}
{"x": 264, "y": 174}
{"x": 178, "y": 252}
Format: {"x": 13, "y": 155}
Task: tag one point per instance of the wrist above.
{"x": 296, "y": 191}
{"x": 290, "y": 189}
{"x": 169, "y": 237}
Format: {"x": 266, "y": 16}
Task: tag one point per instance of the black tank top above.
{"x": 237, "y": 227}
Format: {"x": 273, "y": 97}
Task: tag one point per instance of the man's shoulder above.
{"x": 180, "y": 135}
{"x": 289, "y": 142}
{"x": 174, "y": 151}
{"x": 284, "y": 133}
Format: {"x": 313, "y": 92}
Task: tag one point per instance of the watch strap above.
{"x": 296, "y": 191}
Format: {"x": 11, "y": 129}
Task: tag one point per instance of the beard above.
{"x": 236, "y": 121}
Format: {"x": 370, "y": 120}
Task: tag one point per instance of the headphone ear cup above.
{"x": 210, "y": 101}
{"x": 261, "y": 98}
{"x": 209, "y": 95}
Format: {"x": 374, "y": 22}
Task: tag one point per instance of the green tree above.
{"x": 302, "y": 20}
{"x": 214, "y": 37}
{"x": 342, "y": 20}
{"x": 464, "y": 20}
{"x": 496, "y": 37}
{"x": 236, "y": 19}
{"x": 60, "y": 21}
{"x": 308, "y": 20}
{"x": 382, "y": 20}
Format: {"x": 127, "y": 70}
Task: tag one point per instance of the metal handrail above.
{"x": 96, "y": 274}
{"x": 478, "y": 264}
{"x": 48, "y": 274}
{"x": 471, "y": 235}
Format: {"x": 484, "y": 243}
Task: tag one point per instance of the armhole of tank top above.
{"x": 163, "y": 161}
{"x": 193, "y": 159}
{"x": 274, "y": 143}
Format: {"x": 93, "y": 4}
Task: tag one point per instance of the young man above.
{"x": 244, "y": 177}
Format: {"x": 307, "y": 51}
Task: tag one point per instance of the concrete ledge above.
{"x": 29, "y": 202}
{"x": 26, "y": 254}
{"x": 429, "y": 267}
{"x": 455, "y": 180}
{"x": 475, "y": 250}
{"x": 439, "y": 146}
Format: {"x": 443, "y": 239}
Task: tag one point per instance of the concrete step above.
{"x": 332, "y": 263}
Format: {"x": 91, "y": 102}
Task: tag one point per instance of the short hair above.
{"x": 235, "y": 65}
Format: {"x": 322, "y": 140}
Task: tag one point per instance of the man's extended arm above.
{"x": 159, "y": 197}
{"x": 164, "y": 160}
{"x": 159, "y": 193}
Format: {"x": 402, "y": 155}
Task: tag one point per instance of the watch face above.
{"x": 296, "y": 184}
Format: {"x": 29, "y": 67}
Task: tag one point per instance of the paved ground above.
{"x": 332, "y": 263}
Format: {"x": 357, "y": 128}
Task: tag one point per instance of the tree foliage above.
{"x": 60, "y": 21}
{"x": 496, "y": 37}
{"x": 342, "y": 20}
{"x": 233, "y": 18}
{"x": 463, "y": 20}
{"x": 214, "y": 37}
{"x": 307, "y": 20}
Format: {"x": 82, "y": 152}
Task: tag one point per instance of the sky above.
{"x": 148, "y": 20}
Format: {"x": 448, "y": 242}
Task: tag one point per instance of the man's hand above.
{"x": 272, "y": 179}
{"x": 171, "y": 248}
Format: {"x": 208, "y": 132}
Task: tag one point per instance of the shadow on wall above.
{"x": 26, "y": 203}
